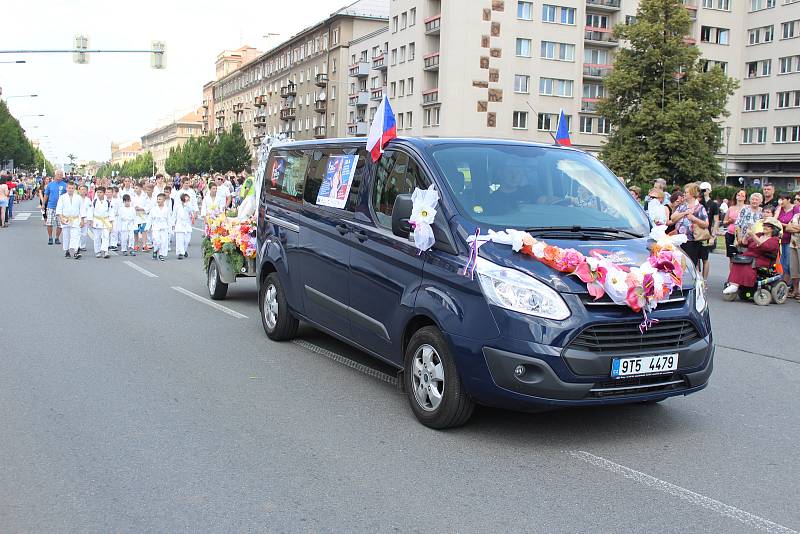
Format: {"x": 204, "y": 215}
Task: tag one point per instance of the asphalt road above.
{"x": 127, "y": 406}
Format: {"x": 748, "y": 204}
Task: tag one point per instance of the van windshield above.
{"x": 516, "y": 186}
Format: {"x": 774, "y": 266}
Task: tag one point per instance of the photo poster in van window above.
{"x": 338, "y": 179}
{"x": 277, "y": 170}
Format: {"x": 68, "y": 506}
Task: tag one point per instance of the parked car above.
{"x": 334, "y": 251}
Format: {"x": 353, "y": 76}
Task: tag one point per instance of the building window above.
{"x": 412, "y": 16}
{"x": 335, "y": 37}
{"x": 764, "y": 34}
{"x": 400, "y": 118}
{"x": 548, "y": 13}
{"x": 410, "y": 86}
{"x": 431, "y": 117}
{"x": 789, "y": 65}
{"x": 758, "y": 102}
{"x": 789, "y": 30}
{"x": 549, "y": 121}
{"x": 522, "y": 83}
{"x": 409, "y": 119}
{"x": 557, "y": 51}
{"x": 586, "y": 124}
{"x": 394, "y": 56}
{"x": 395, "y": 24}
{"x": 597, "y": 21}
{"x": 788, "y": 99}
{"x": 523, "y": 47}
{"x": 403, "y": 20}
{"x": 403, "y": 54}
{"x": 520, "y": 120}
{"x": 392, "y": 90}
{"x": 603, "y": 126}
{"x": 401, "y": 88}
{"x": 525, "y": 10}
{"x": 555, "y": 87}
{"x": 757, "y": 69}
{"x": 754, "y": 136}
{"x": 724, "y": 5}
{"x": 594, "y": 90}
{"x": 709, "y": 34}
{"x": 787, "y": 134}
{"x": 412, "y": 49}
{"x": 758, "y": 5}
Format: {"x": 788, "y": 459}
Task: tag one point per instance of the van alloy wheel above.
{"x": 212, "y": 278}
{"x": 271, "y": 307}
{"x": 428, "y": 378}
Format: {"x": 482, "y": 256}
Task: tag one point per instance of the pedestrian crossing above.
{"x": 21, "y": 216}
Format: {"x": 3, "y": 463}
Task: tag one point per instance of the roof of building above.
{"x": 366, "y": 8}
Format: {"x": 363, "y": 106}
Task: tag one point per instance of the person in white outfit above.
{"x": 83, "y": 191}
{"x": 126, "y": 223}
{"x": 182, "y": 220}
{"x": 102, "y": 221}
{"x": 112, "y": 194}
{"x": 71, "y": 215}
{"x": 192, "y": 205}
{"x": 158, "y": 223}
{"x": 213, "y": 202}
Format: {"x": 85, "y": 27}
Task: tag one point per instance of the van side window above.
{"x": 335, "y": 167}
{"x": 396, "y": 174}
{"x": 286, "y": 172}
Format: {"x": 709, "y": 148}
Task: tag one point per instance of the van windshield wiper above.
{"x": 580, "y": 230}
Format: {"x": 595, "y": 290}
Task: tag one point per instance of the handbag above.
{"x": 699, "y": 233}
{"x": 742, "y": 259}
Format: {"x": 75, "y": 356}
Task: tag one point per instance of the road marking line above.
{"x": 694, "y": 498}
{"x": 113, "y": 253}
{"x": 211, "y": 303}
{"x": 21, "y": 216}
{"x": 198, "y": 229}
{"x": 338, "y": 358}
{"x": 140, "y": 269}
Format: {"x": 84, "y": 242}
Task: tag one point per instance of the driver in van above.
{"x": 509, "y": 192}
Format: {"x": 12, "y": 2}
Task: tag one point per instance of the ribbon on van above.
{"x": 423, "y": 213}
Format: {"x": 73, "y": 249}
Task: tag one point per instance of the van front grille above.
{"x": 638, "y": 385}
{"x": 626, "y": 337}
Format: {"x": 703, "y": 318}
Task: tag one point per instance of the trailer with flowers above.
{"x": 229, "y": 252}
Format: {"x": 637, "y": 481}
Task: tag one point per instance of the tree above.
{"x": 663, "y": 108}
{"x": 242, "y": 160}
{"x": 13, "y": 143}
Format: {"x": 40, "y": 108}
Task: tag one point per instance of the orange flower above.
{"x": 551, "y": 253}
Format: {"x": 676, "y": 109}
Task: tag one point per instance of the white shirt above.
{"x": 71, "y": 206}
{"x": 223, "y": 190}
{"x": 145, "y": 203}
{"x": 182, "y": 218}
{"x": 101, "y": 208}
{"x": 212, "y": 205}
{"x": 159, "y": 218}
{"x": 657, "y": 212}
{"x": 176, "y": 196}
{"x": 126, "y": 218}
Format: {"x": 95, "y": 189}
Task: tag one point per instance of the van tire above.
{"x": 455, "y": 407}
{"x": 217, "y": 289}
{"x": 280, "y": 325}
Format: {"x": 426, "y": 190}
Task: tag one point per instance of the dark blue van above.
{"x": 334, "y": 251}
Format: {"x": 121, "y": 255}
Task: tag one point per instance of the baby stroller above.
{"x": 770, "y": 286}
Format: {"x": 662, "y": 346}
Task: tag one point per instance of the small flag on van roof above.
{"x": 562, "y": 132}
{"x": 383, "y": 129}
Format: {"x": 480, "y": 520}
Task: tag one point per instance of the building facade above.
{"x": 300, "y": 88}
{"x": 122, "y": 152}
{"x": 159, "y": 141}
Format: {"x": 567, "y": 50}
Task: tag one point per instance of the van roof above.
{"x": 423, "y": 142}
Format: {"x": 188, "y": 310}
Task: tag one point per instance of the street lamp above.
{"x": 17, "y": 61}
{"x": 21, "y": 96}
{"x": 727, "y": 147}
{"x": 31, "y": 115}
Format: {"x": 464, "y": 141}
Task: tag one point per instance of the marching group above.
{"x": 130, "y": 216}
{"x": 761, "y": 230}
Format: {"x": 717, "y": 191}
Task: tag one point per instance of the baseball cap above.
{"x": 705, "y": 186}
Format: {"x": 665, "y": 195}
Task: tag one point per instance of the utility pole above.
{"x": 80, "y": 52}
{"x": 727, "y": 146}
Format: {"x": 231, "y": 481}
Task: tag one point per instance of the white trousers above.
{"x": 101, "y": 237}
{"x": 84, "y": 235}
{"x": 160, "y": 241}
{"x": 182, "y": 242}
{"x": 114, "y": 236}
{"x": 125, "y": 239}
{"x": 71, "y": 238}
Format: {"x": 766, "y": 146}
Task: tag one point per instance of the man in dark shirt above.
{"x": 770, "y": 199}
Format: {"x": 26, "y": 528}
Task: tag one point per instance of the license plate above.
{"x": 644, "y": 365}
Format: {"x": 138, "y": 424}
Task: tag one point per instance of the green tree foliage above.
{"x": 13, "y": 143}
{"x": 139, "y": 167}
{"x": 231, "y": 153}
{"x": 662, "y": 106}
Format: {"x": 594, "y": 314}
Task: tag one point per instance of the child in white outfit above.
{"x": 158, "y": 223}
{"x": 112, "y": 194}
{"x": 102, "y": 221}
{"x": 182, "y": 220}
{"x": 126, "y": 223}
{"x": 83, "y": 191}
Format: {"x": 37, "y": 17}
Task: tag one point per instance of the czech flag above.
{"x": 383, "y": 129}
{"x": 562, "y": 132}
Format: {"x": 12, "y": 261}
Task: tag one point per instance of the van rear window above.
{"x": 286, "y": 172}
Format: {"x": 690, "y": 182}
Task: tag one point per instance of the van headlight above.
{"x": 700, "y": 302}
{"x": 513, "y": 290}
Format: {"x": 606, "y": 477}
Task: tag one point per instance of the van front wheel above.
{"x": 432, "y": 382}
{"x": 278, "y": 321}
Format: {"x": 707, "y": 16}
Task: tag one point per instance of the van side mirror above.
{"x": 401, "y": 213}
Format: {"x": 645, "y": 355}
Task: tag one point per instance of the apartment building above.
{"x": 367, "y": 72}
{"x": 300, "y": 88}
{"x": 122, "y": 152}
{"x": 171, "y": 135}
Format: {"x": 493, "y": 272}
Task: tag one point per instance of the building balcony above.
{"x": 431, "y": 61}
{"x": 219, "y": 130}
{"x": 377, "y": 94}
{"x": 320, "y": 106}
{"x": 361, "y": 98}
{"x": 589, "y": 105}
{"x": 238, "y": 108}
{"x": 358, "y": 129}
{"x": 260, "y": 100}
{"x": 599, "y": 36}
{"x": 379, "y": 62}
{"x": 321, "y": 80}
{"x": 257, "y": 140}
{"x": 289, "y": 134}
{"x": 220, "y": 113}
{"x": 430, "y": 97}
{"x": 603, "y": 5}
{"x": 596, "y": 70}
{"x": 433, "y": 25}
{"x": 359, "y": 70}
{"x": 205, "y": 103}
{"x": 288, "y": 90}
{"x": 288, "y": 114}
{"x": 259, "y": 120}
{"x": 319, "y": 132}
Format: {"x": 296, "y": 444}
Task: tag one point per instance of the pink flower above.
{"x": 584, "y": 272}
{"x": 572, "y": 259}
{"x": 649, "y": 285}
{"x": 635, "y": 298}
{"x": 595, "y": 290}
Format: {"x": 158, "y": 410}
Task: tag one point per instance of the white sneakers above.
{"x": 731, "y": 289}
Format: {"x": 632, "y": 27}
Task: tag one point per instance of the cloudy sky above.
{"x": 118, "y": 96}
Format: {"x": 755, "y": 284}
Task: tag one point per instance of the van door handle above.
{"x": 342, "y": 228}
{"x": 361, "y": 235}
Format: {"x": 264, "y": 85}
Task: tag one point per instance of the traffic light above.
{"x": 81, "y": 43}
{"x": 158, "y": 58}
